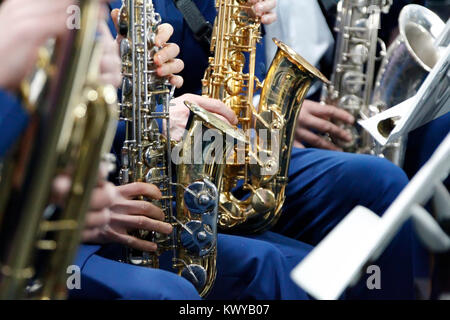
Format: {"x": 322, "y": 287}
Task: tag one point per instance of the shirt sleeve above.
{"x": 13, "y": 120}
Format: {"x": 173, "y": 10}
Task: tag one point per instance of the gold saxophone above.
{"x": 148, "y": 154}
{"x": 71, "y": 128}
{"x": 259, "y": 170}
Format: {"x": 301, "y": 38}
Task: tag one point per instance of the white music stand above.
{"x": 362, "y": 235}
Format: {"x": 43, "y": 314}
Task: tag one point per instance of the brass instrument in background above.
{"x": 148, "y": 150}
{"x": 407, "y": 63}
{"x": 357, "y": 25}
{"x": 71, "y": 127}
{"x": 259, "y": 170}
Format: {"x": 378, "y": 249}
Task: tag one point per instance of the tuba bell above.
{"x": 408, "y": 61}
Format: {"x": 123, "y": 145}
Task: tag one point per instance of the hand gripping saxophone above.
{"x": 255, "y": 178}
{"x": 357, "y": 25}
{"x": 71, "y": 128}
{"x": 148, "y": 150}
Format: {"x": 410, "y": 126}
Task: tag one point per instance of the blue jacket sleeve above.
{"x": 13, "y": 120}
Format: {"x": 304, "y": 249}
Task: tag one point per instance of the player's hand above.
{"x": 316, "y": 121}
{"x": 128, "y": 215}
{"x": 26, "y": 25}
{"x": 265, "y": 9}
{"x": 179, "y": 113}
{"x": 165, "y": 58}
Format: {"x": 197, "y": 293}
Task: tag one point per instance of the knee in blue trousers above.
{"x": 324, "y": 186}
{"x": 103, "y": 278}
{"x": 258, "y": 267}
{"x": 247, "y": 268}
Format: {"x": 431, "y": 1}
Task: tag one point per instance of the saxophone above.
{"x": 256, "y": 174}
{"x": 357, "y": 25}
{"x": 71, "y": 128}
{"x": 148, "y": 153}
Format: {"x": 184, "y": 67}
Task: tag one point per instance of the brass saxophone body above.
{"x": 148, "y": 155}
{"x": 352, "y": 81}
{"x": 71, "y": 128}
{"x": 259, "y": 168}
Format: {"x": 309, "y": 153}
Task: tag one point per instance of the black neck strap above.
{"x": 200, "y": 27}
{"x": 329, "y": 9}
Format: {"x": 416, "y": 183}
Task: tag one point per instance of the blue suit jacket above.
{"x": 13, "y": 120}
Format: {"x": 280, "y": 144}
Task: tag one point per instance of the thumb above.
{"x": 214, "y": 106}
{"x": 115, "y": 18}
{"x": 298, "y": 144}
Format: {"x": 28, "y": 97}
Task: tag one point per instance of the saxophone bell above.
{"x": 252, "y": 192}
{"x": 285, "y": 87}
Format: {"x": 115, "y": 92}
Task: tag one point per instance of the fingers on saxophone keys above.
{"x": 140, "y": 244}
{"x": 103, "y": 197}
{"x": 314, "y": 140}
{"x": 131, "y": 222}
{"x": 115, "y": 18}
{"x": 171, "y": 67}
{"x": 326, "y": 126}
{"x": 269, "y": 18}
{"x": 336, "y": 132}
{"x": 91, "y": 235}
{"x": 214, "y": 106}
{"x": 261, "y": 7}
{"x": 298, "y": 144}
{"x": 97, "y": 219}
{"x": 132, "y": 242}
{"x": 326, "y": 111}
{"x": 135, "y": 189}
{"x": 168, "y": 53}
{"x": 163, "y": 35}
{"x": 140, "y": 207}
{"x": 176, "y": 81}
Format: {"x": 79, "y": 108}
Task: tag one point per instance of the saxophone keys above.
{"x": 123, "y": 21}
{"x": 197, "y": 238}
{"x": 237, "y": 61}
{"x": 234, "y": 85}
{"x": 127, "y": 86}
{"x": 263, "y": 200}
{"x": 200, "y": 198}
{"x": 359, "y": 54}
{"x": 196, "y": 274}
{"x": 125, "y": 48}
